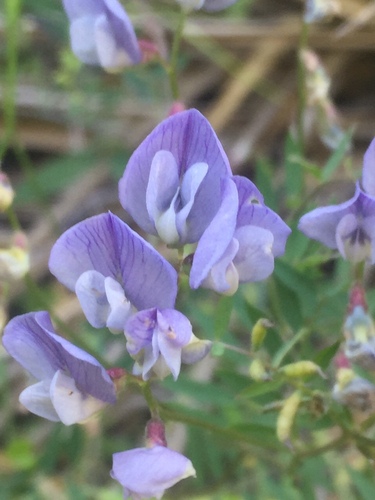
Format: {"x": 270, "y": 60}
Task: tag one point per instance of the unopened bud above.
{"x": 195, "y": 350}
{"x": 259, "y": 331}
{"x": 301, "y": 369}
{"x": 14, "y": 261}
{"x": 257, "y": 371}
{"x": 287, "y": 416}
{"x": 6, "y": 192}
{"x": 155, "y": 433}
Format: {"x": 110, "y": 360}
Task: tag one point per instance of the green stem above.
{"x": 301, "y": 81}
{"x": 12, "y": 30}
{"x": 172, "y": 67}
{"x": 150, "y": 400}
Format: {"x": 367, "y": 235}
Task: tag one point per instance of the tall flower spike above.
{"x": 148, "y": 472}
{"x": 112, "y": 270}
{"x": 172, "y": 183}
{"x": 72, "y": 385}
{"x": 239, "y": 246}
{"x": 101, "y": 34}
{"x": 155, "y": 338}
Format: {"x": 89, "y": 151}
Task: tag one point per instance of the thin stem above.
{"x": 172, "y": 68}
{"x": 150, "y": 400}
{"x": 301, "y": 81}
{"x": 12, "y": 16}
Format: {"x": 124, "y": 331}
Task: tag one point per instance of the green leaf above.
{"x": 324, "y": 357}
{"x": 223, "y": 312}
{"x": 288, "y": 346}
{"x": 335, "y": 160}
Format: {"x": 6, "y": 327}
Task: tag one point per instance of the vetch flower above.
{"x": 172, "y": 183}
{"x": 241, "y": 242}
{"x": 148, "y": 472}
{"x": 72, "y": 385}
{"x": 102, "y": 34}
{"x": 208, "y": 5}
{"x": 349, "y": 226}
{"x": 156, "y": 338}
{"x": 112, "y": 270}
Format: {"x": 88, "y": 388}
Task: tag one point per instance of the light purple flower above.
{"x": 208, "y": 5}
{"x": 156, "y": 339}
{"x": 112, "y": 270}
{"x": 72, "y": 385}
{"x": 148, "y": 472}
{"x": 348, "y": 227}
{"x": 172, "y": 183}
{"x": 101, "y": 33}
{"x": 242, "y": 241}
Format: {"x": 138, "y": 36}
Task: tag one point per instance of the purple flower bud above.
{"x": 172, "y": 183}
{"x": 112, "y": 270}
{"x": 101, "y": 33}
{"x": 155, "y": 338}
{"x": 72, "y": 385}
{"x": 148, "y": 472}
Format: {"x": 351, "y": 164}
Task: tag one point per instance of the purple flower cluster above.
{"x": 350, "y": 226}
{"x": 178, "y": 185}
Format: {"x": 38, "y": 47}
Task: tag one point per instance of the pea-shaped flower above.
{"x": 112, "y": 270}
{"x": 72, "y": 385}
{"x": 242, "y": 241}
{"x": 158, "y": 338}
{"x": 147, "y": 472}
{"x": 349, "y": 226}
{"x": 172, "y": 183}
{"x": 101, "y": 33}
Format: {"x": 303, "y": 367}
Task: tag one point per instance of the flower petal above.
{"x": 368, "y": 173}
{"x": 148, "y": 472}
{"x": 91, "y": 294}
{"x": 31, "y": 335}
{"x": 217, "y": 236}
{"x": 70, "y": 403}
{"x": 107, "y": 245}
{"x": 190, "y": 139}
{"x": 37, "y": 400}
{"x": 254, "y": 260}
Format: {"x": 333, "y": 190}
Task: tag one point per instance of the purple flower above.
{"x": 148, "y": 472}
{"x": 112, "y": 270}
{"x": 209, "y": 5}
{"x": 172, "y": 183}
{"x": 349, "y": 226}
{"x": 156, "y": 338}
{"x": 101, "y": 33}
{"x": 241, "y": 242}
{"x": 72, "y": 385}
